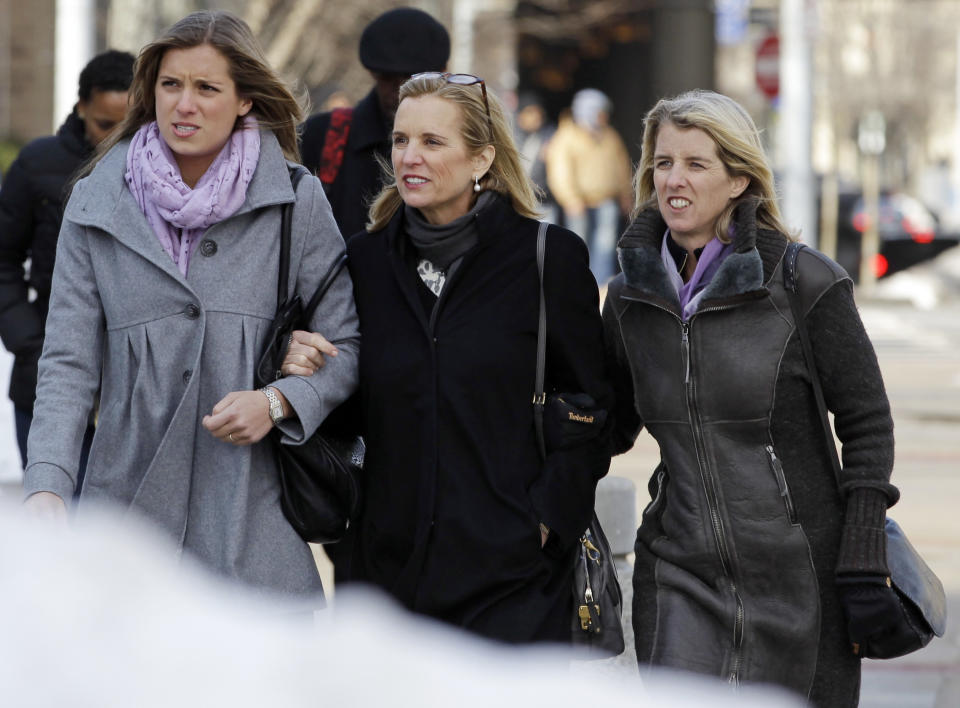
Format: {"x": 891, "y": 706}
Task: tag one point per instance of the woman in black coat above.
{"x": 752, "y": 563}
{"x": 462, "y": 520}
{"x": 31, "y": 205}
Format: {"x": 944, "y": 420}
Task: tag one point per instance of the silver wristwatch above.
{"x": 276, "y": 408}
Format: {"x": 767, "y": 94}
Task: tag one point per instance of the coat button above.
{"x": 208, "y": 247}
{"x": 186, "y": 376}
{"x": 191, "y": 311}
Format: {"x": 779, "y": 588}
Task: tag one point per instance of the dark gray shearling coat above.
{"x": 163, "y": 350}
{"x": 736, "y": 554}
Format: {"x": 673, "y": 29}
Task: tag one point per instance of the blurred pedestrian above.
{"x": 162, "y": 293}
{"x": 342, "y": 146}
{"x": 749, "y": 556}
{"x": 462, "y": 520}
{"x": 533, "y": 138}
{"x": 588, "y": 170}
{"x": 337, "y": 99}
{"x": 31, "y": 204}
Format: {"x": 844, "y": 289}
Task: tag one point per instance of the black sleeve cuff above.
{"x": 863, "y": 543}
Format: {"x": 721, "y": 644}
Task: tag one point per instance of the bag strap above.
{"x": 286, "y": 219}
{"x": 790, "y": 283}
{"x": 296, "y": 173}
{"x": 334, "y": 145}
{"x": 332, "y": 272}
{"x": 539, "y": 396}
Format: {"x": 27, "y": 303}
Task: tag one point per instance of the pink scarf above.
{"x": 178, "y": 214}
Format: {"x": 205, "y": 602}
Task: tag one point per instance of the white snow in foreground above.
{"x": 101, "y": 614}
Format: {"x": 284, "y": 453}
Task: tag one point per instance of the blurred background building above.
{"x": 859, "y": 99}
{"x": 626, "y": 48}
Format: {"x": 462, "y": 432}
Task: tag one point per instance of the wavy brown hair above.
{"x": 738, "y": 146}
{"x": 274, "y": 104}
{"x": 506, "y": 175}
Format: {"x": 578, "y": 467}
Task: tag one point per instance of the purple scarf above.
{"x": 178, "y": 214}
{"x": 691, "y": 292}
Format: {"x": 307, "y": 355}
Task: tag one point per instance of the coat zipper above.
{"x": 733, "y": 677}
{"x": 661, "y": 473}
{"x": 713, "y": 504}
{"x": 782, "y": 483}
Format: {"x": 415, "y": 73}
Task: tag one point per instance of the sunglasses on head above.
{"x": 460, "y": 80}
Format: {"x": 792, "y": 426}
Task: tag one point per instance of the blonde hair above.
{"x": 506, "y": 174}
{"x": 274, "y": 105}
{"x": 738, "y": 146}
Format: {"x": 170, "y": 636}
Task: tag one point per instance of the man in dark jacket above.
{"x": 341, "y": 147}
{"x": 31, "y": 204}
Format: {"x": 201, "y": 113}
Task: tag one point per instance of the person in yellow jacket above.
{"x": 588, "y": 171}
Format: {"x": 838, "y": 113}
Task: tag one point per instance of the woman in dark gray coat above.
{"x": 751, "y": 564}
{"x": 164, "y": 287}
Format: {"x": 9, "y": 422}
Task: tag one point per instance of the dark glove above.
{"x": 870, "y": 605}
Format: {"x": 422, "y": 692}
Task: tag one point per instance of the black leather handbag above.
{"x": 923, "y": 604}
{"x": 319, "y": 479}
{"x": 596, "y": 626}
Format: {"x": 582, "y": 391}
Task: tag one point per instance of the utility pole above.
{"x": 871, "y": 139}
{"x": 75, "y": 39}
{"x": 693, "y": 20}
{"x": 954, "y": 212}
{"x": 796, "y": 118}
{"x": 464, "y": 15}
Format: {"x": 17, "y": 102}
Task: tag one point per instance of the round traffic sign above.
{"x": 768, "y": 66}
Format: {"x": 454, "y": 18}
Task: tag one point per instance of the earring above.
{"x": 476, "y": 183}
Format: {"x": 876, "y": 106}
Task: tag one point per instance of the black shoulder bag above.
{"x": 923, "y": 605}
{"x": 596, "y": 623}
{"x": 319, "y": 479}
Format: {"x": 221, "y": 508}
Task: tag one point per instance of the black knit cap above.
{"x": 404, "y": 41}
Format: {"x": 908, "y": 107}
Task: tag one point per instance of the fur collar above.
{"x": 746, "y": 270}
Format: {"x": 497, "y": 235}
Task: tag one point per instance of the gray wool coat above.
{"x": 162, "y": 350}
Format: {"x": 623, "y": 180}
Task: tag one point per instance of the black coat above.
{"x": 455, "y": 486}
{"x": 360, "y": 178}
{"x": 736, "y": 554}
{"x": 31, "y": 205}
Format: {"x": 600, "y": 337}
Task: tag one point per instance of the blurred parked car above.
{"x": 909, "y": 233}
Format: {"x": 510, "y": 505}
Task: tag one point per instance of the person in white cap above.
{"x": 588, "y": 171}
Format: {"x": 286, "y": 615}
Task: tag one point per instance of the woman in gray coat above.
{"x": 163, "y": 290}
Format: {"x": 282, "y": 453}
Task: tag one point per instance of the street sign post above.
{"x": 872, "y": 141}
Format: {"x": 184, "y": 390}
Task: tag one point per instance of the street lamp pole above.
{"x": 74, "y": 38}
{"x": 870, "y": 237}
{"x": 796, "y": 117}
{"x": 872, "y": 141}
